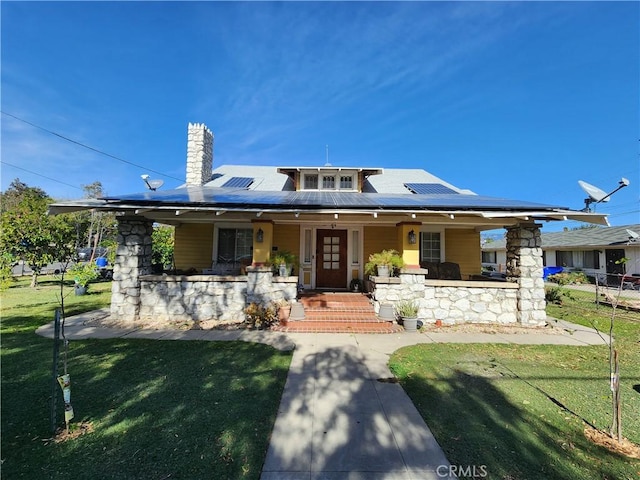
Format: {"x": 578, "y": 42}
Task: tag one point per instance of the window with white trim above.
{"x": 234, "y": 246}
{"x": 430, "y": 247}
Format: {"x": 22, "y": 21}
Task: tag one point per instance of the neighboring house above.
{"x": 232, "y": 219}
{"x": 596, "y": 251}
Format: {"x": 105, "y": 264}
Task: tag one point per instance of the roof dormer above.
{"x": 329, "y": 178}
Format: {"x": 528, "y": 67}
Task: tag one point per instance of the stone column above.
{"x": 524, "y": 267}
{"x": 133, "y": 259}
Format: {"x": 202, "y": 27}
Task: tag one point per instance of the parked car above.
{"x": 85, "y": 253}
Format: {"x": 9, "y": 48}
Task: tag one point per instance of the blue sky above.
{"x": 509, "y": 99}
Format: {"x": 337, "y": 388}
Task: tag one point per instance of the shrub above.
{"x": 83, "y": 273}
{"x": 407, "y": 309}
{"x": 554, "y": 295}
{"x": 569, "y": 278}
{"x": 260, "y": 316}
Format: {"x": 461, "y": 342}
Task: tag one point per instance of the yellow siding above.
{"x": 377, "y": 239}
{"x": 287, "y": 237}
{"x": 194, "y": 246}
{"x": 463, "y": 248}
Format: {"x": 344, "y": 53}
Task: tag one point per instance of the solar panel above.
{"x": 238, "y": 182}
{"x": 212, "y": 196}
{"x": 429, "y": 188}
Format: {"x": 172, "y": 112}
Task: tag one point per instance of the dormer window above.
{"x": 328, "y": 182}
{"x": 310, "y": 181}
{"x": 346, "y": 182}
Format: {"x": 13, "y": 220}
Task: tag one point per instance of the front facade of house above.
{"x": 598, "y": 252}
{"x": 232, "y": 220}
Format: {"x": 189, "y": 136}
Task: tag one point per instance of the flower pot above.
{"x": 386, "y": 312}
{"x": 410, "y": 324}
{"x": 282, "y": 270}
{"x": 283, "y": 315}
{"x": 80, "y": 289}
{"x": 383, "y": 270}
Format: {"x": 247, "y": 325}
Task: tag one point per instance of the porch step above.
{"x": 310, "y": 326}
{"x": 338, "y": 312}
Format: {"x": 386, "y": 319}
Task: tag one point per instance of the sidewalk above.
{"x": 336, "y": 419}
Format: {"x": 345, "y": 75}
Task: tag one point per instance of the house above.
{"x": 230, "y": 220}
{"x": 596, "y": 251}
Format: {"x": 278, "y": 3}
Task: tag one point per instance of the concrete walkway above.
{"x": 336, "y": 419}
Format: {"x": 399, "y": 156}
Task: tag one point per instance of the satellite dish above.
{"x": 152, "y": 185}
{"x": 597, "y": 195}
{"x": 594, "y": 192}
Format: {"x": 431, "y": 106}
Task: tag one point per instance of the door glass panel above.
{"x": 327, "y": 265}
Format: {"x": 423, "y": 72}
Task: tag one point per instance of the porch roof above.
{"x": 213, "y": 199}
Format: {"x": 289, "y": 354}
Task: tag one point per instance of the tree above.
{"x": 29, "y": 233}
{"x": 162, "y": 244}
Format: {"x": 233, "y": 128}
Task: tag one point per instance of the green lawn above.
{"x": 157, "y": 409}
{"x": 521, "y": 410}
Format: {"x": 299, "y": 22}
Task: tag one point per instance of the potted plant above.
{"x": 355, "y": 285}
{"x": 408, "y": 311}
{"x": 384, "y": 263}
{"x": 284, "y": 311}
{"x": 83, "y": 273}
{"x": 284, "y": 263}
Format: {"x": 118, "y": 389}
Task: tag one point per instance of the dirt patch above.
{"x": 75, "y": 430}
{"x": 625, "y": 447}
{"x": 107, "y": 321}
{"x": 491, "y": 328}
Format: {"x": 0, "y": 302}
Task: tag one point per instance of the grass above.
{"x": 156, "y": 409}
{"x": 520, "y": 410}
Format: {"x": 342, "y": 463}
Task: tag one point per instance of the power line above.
{"x": 40, "y": 175}
{"x": 89, "y": 147}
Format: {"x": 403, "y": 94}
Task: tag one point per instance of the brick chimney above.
{"x": 199, "y": 154}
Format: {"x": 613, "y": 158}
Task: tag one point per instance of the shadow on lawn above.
{"x": 170, "y": 409}
{"x": 478, "y": 425}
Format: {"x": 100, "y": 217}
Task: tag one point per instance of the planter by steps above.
{"x": 297, "y": 311}
{"x": 410, "y": 324}
{"x": 386, "y": 312}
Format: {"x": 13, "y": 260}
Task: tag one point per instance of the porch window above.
{"x": 355, "y": 247}
{"x": 234, "y": 246}
{"x": 307, "y": 246}
{"x": 430, "y": 247}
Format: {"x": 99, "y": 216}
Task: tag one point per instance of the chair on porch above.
{"x": 450, "y": 271}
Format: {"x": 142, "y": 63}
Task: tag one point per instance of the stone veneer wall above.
{"x": 524, "y": 267}
{"x": 172, "y": 300}
{"x": 519, "y": 300}
{"x": 451, "y": 301}
{"x": 133, "y": 259}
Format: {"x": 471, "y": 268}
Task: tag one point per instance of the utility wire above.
{"x": 88, "y": 147}
{"x": 40, "y": 175}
